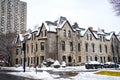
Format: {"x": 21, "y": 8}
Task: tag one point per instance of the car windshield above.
{"x": 94, "y": 62}
{"x": 109, "y": 63}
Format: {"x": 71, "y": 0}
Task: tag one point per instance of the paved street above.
{"x": 4, "y": 76}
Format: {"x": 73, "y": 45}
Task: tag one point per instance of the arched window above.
{"x": 95, "y": 58}
{"x": 69, "y": 59}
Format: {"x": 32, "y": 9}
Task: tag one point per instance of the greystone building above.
{"x": 62, "y": 41}
{"x": 13, "y": 15}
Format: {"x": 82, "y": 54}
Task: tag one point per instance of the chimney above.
{"x": 76, "y": 24}
{"x": 102, "y": 30}
{"x": 90, "y": 28}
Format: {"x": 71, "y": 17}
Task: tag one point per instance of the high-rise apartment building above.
{"x": 13, "y": 15}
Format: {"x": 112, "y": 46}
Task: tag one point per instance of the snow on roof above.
{"x": 100, "y": 31}
{"x": 50, "y": 27}
{"x": 60, "y": 26}
{"x": 38, "y": 31}
{"x": 95, "y": 34}
{"x": 21, "y": 37}
{"x": 83, "y": 32}
{"x": 28, "y": 34}
{"x": 36, "y": 28}
{"x": 108, "y": 37}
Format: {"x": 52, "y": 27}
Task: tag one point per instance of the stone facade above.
{"x": 62, "y": 41}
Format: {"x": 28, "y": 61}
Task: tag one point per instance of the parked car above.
{"x": 110, "y": 65}
{"x": 93, "y": 65}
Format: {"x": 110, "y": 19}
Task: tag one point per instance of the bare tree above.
{"x": 116, "y": 6}
{"x": 7, "y": 47}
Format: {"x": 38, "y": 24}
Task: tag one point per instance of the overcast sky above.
{"x": 95, "y": 13}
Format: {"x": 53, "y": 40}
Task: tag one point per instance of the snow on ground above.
{"x": 92, "y": 76}
{"x": 39, "y": 75}
{"x": 31, "y": 73}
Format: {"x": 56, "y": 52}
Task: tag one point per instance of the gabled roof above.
{"x": 52, "y": 26}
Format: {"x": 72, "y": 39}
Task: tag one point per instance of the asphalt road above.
{"x": 4, "y": 76}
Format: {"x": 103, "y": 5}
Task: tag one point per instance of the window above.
{"x": 112, "y": 48}
{"x": 101, "y": 59}
{"x": 42, "y": 45}
{"x": 87, "y": 36}
{"x": 63, "y": 45}
{"x": 78, "y": 34}
{"x": 90, "y": 58}
{"x": 90, "y": 36}
{"x": 79, "y": 47}
{"x": 87, "y": 58}
{"x": 41, "y": 33}
{"x": 79, "y": 58}
{"x": 100, "y": 38}
{"x": 71, "y": 46}
{"x": 41, "y": 58}
{"x": 32, "y": 47}
{"x": 93, "y": 47}
{"x": 104, "y": 59}
{"x": 64, "y": 33}
{"x": 95, "y": 58}
{"x": 36, "y": 47}
{"x": 17, "y": 50}
{"x": 34, "y": 36}
{"x": 27, "y": 48}
{"x": 64, "y": 58}
{"x": 69, "y": 34}
{"x": 16, "y": 60}
{"x": 103, "y": 38}
{"x": 45, "y": 32}
{"x": 86, "y": 47}
{"x": 106, "y": 48}
{"x": 100, "y": 48}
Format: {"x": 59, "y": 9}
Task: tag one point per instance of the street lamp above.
{"x": 24, "y": 49}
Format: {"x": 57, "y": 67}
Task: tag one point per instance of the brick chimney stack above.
{"x": 90, "y": 28}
